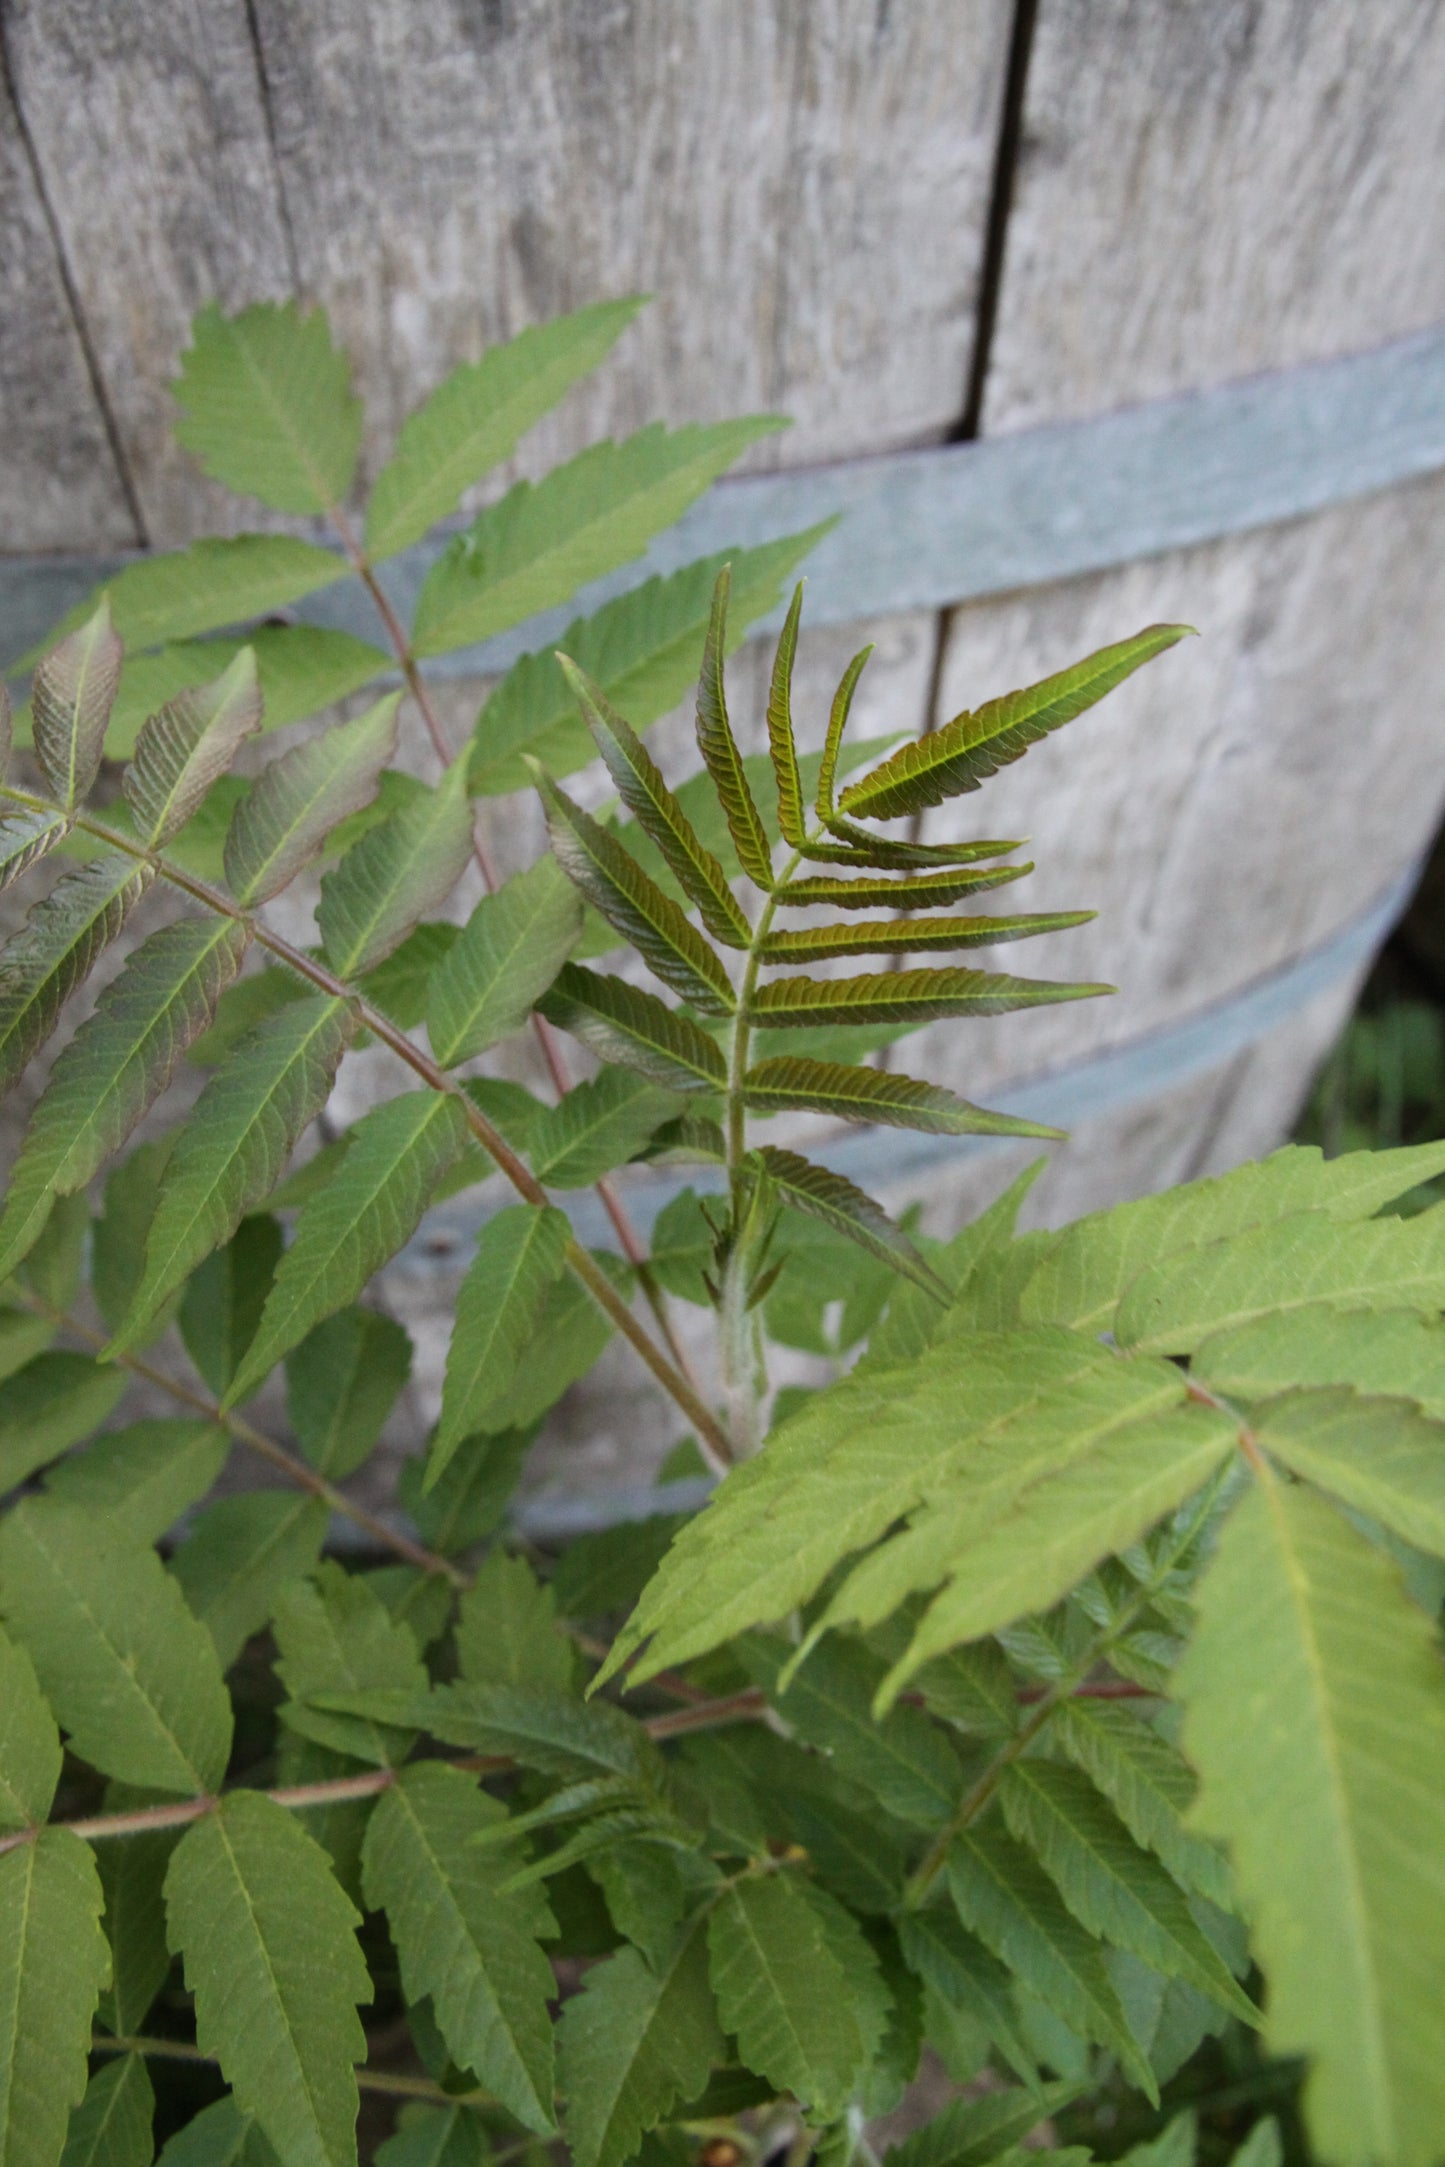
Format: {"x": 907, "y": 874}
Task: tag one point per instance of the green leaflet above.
{"x": 397, "y": 873}
{"x": 472, "y": 421}
{"x": 1379, "y": 1456}
{"x": 834, "y": 1478}
{"x": 913, "y": 891}
{"x": 212, "y": 583}
{"x": 357, "y": 1222}
{"x": 221, "y": 1307}
{"x": 630, "y": 900}
{"x": 219, "y": 2136}
{"x": 512, "y": 948}
{"x": 782, "y": 745}
{"x": 49, "y": 1405}
{"x": 870, "y": 1094}
{"x": 335, "y": 1636}
{"x": 1391, "y": 1353}
{"x": 635, "y": 2043}
{"x": 130, "y": 1673}
{"x": 302, "y": 669}
{"x": 462, "y": 1939}
{"x": 542, "y": 542}
{"x": 118, "y": 1238}
{"x": 1004, "y": 1896}
{"x": 968, "y": 1978}
{"x": 903, "y": 1761}
{"x": 519, "y": 1254}
{"x": 449, "y": 2137}
{"x": 117, "y": 1065}
{"x": 271, "y": 1957}
{"x": 893, "y": 936}
{"x": 1096, "y": 1259}
{"x": 547, "y": 1731}
{"x": 1316, "y": 1719}
{"x": 837, "y": 724}
{"x": 132, "y": 1874}
{"x": 972, "y": 2132}
{"x": 1115, "y": 1889}
{"x": 622, "y": 1022}
{"x": 233, "y": 1151}
{"x": 70, "y": 705}
{"x": 570, "y": 1334}
{"x": 646, "y": 795}
{"x": 906, "y": 997}
{"x": 1150, "y": 1786}
{"x": 976, "y": 744}
{"x": 297, "y": 800}
{"x": 720, "y": 754}
{"x": 642, "y": 650}
{"x": 599, "y": 1125}
{"x": 1302, "y": 1260}
{"x": 187, "y": 745}
{"x": 112, "y": 2125}
{"x": 53, "y": 1962}
{"x": 840, "y": 1204}
{"x": 55, "y": 950}
{"x": 25, "y": 838}
{"x": 468, "y": 1502}
{"x": 506, "y": 1630}
{"x": 267, "y": 405}
{"x": 240, "y": 1554}
{"x": 798, "y": 1985}
{"x": 341, "y": 1384}
{"x": 29, "y": 1743}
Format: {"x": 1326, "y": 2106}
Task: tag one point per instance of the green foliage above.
{"x": 905, "y": 1761}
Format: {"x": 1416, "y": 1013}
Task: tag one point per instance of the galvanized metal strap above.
{"x": 923, "y": 529}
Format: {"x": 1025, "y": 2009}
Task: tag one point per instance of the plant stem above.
{"x": 368, "y": 2080}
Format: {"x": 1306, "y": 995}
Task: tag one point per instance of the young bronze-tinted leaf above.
{"x": 212, "y": 583}
{"x": 116, "y": 1066}
{"x": 782, "y": 745}
{"x": 397, "y": 873}
{"x": 646, "y": 795}
{"x": 464, "y": 1941}
{"x": 511, "y": 949}
{"x": 629, "y": 899}
{"x": 341, "y": 1384}
{"x": 599, "y": 1125}
{"x": 354, "y": 1225}
{"x": 130, "y": 1673}
{"x": 270, "y": 1954}
{"x": 25, "y": 838}
{"x": 47, "y": 1406}
{"x": 837, "y": 724}
{"x": 642, "y": 649}
{"x": 231, "y": 1153}
{"x": 267, "y": 405}
{"x": 915, "y": 891}
{"x": 872, "y": 1094}
{"x": 335, "y": 1636}
{"x": 861, "y": 849}
{"x": 29, "y": 1743}
{"x": 302, "y": 668}
{"x": 720, "y": 753}
{"x": 621, "y": 1022}
{"x": 472, "y": 421}
{"x": 895, "y": 936}
{"x": 842, "y": 1205}
{"x": 55, "y": 949}
{"x": 543, "y": 541}
{"x": 53, "y": 1962}
{"x": 520, "y": 1252}
{"x": 143, "y": 1477}
{"x": 1331, "y": 1797}
{"x": 976, "y": 743}
{"x": 635, "y": 2043}
{"x": 899, "y": 996}
{"x": 797, "y": 1983}
{"x": 297, "y": 800}
{"x": 183, "y": 749}
{"x": 239, "y": 1555}
{"x": 71, "y": 702}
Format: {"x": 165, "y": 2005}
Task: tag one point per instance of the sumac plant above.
{"x": 1058, "y": 1687}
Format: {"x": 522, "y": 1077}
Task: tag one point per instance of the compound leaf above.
{"x": 271, "y": 1956}
{"x": 26, "y": 838}
{"x": 395, "y": 874}
{"x": 297, "y": 800}
{"x": 53, "y": 1963}
{"x": 267, "y": 405}
{"x": 71, "y": 700}
{"x": 510, "y": 950}
{"x": 520, "y": 1253}
{"x": 130, "y": 1673}
{"x": 621, "y": 1022}
{"x": 183, "y": 749}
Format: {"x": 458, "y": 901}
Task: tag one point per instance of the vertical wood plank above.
{"x": 150, "y": 133}
{"x": 59, "y": 484}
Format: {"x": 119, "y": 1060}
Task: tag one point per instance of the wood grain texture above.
{"x": 803, "y": 189}
{"x": 1206, "y": 190}
{"x": 150, "y": 132}
{"x": 59, "y": 485}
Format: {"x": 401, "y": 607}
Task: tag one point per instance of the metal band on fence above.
{"x": 923, "y": 529}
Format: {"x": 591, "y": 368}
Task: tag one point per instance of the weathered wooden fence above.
{"x": 1092, "y": 311}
